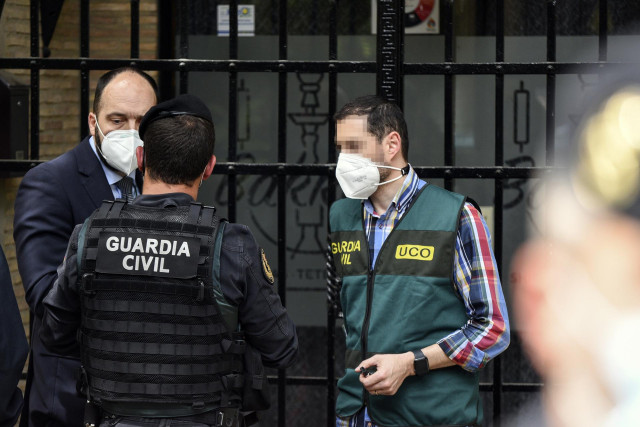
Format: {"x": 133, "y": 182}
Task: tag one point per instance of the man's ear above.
{"x": 209, "y": 169}
{"x": 140, "y": 158}
{"x": 392, "y": 145}
{"x": 92, "y": 124}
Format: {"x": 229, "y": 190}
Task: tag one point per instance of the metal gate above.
{"x": 390, "y": 70}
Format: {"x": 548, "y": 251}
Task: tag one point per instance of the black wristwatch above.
{"x": 420, "y": 363}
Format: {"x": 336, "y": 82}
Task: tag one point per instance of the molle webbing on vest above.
{"x": 151, "y": 329}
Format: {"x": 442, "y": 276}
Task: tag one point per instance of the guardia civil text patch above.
{"x": 147, "y": 255}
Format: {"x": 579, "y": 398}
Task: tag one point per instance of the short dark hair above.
{"x": 382, "y": 117}
{"x": 178, "y": 148}
{"x": 106, "y": 78}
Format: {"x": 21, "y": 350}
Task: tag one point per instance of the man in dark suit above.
{"x": 54, "y": 197}
{"x": 14, "y": 347}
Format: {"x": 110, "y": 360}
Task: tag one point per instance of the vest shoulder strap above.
{"x": 435, "y": 208}
{"x": 81, "y": 240}
{"x": 346, "y": 214}
{"x": 100, "y": 213}
{"x": 229, "y": 311}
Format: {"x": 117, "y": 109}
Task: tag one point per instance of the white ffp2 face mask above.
{"x": 119, "y": 148}
{"x": 359, "y": 176}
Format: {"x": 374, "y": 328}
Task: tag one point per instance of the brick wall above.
{"x": 60, "y": 89}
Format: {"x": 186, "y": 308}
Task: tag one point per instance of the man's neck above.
{"x": 385, "y": 193}
{"x": 150, "y": 186}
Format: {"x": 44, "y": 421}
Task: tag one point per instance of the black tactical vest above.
{"x": 155, "y": 327}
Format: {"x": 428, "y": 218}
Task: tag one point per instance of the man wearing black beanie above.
{"x": 170, "y": 304}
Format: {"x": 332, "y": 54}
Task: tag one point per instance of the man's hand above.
{"x": 391, "y": 371}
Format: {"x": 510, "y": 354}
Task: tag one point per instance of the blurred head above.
{"x": 372, "y": 118}
{"x": 371, "y": 137}
{"x": 179, "y": 139}
{"x": 577, "y": 298}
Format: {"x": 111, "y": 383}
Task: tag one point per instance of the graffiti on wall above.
{"x": 306, "y": 195}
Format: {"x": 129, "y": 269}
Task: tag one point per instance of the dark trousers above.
{"x": 225, "y": 418}
{"x": 148, "y": 422}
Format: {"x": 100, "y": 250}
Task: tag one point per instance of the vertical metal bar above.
{"x": 390, "y": 49}
{"x": 498, "y": 191}
{"x": 84, "y": 28}
{"x": 331, "y": 197}
{"x": 602, "y": 31}
{"x": 551, "y": 82}
{"x": 353, "y": 13}
{"x": 35, "y": 105}
{"x": 166, "y": 46}
{"x": 35, "y": 81}
{"x": 282, "y": 188}
{"x": 449, "y": 124}
{"x": 84, "y": 71}
{"x": 184, "y": 44}
{"x": 135, "y": 28}
{"x": 233, "y": 108}
{"x": 313, "y": 27}
{"x": 233, "y": 29}
{"x": 274, "y": 16}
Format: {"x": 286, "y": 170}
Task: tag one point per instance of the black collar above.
{"x": 163, "y": 200}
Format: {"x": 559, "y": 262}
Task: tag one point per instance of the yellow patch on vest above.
{"x": 415, "y": 252}
{"x": 265, "y": 268}
{"x": 344, "y": 248}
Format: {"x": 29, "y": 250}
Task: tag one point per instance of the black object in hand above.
{"x": 368, "y": 371}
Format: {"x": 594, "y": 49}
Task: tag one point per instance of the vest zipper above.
{"x": 370, "y": 279}
{"x": 365, "y": 323}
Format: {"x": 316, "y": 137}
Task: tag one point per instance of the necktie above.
{"x": 126, "y": 188}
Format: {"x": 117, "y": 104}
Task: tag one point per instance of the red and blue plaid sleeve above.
{"x": 486, "y": 333}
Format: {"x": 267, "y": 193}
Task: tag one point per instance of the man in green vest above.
{"x": 419, "y": 287}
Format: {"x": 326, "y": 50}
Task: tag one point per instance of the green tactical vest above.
{"x": 406, "y": 302}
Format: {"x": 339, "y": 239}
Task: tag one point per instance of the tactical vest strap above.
{"x": 104, "y": 209}
{"x": 110, "y": 209}
{"x": 194, "y": 212}
{"x": 128, "y": 327}
{"x": 159, "y": 390}
{"x": 207, "y": 215}
{"x": 152, "y": 348}
{"x": 205, "y": 368}
{"x": 99, "y": 284}
{"x": 151, "y": 307}
{"x": 229, "y": 312}
{"x": 117, "y": 207}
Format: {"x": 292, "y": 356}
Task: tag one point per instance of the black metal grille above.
{"x": 390, "y": 70}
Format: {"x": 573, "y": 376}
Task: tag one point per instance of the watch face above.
{"x": 420, "y": 363}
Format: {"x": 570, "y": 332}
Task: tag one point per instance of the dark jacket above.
{"x": 15, "y": 348}
{"x": 52, "y": 198}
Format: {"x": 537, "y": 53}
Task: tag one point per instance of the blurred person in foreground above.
{"x": 578, "y": 297}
